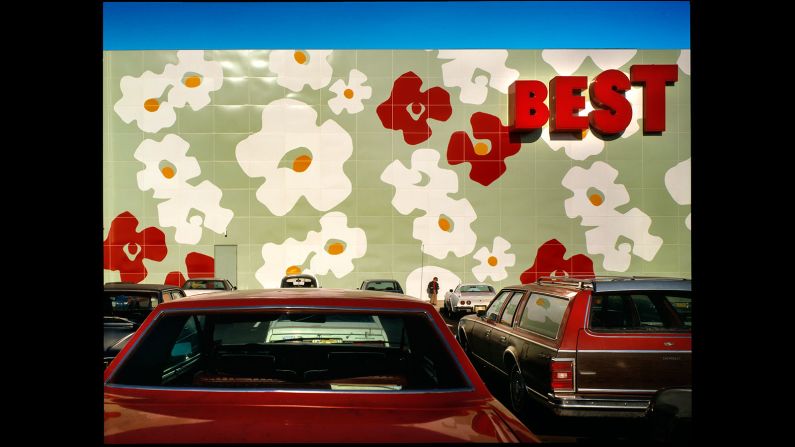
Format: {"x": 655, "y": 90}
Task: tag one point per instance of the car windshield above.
{"x": 477, "y": 288}
{"x": 204, "y": 284}
{"x": 327, "y": 350}
{"x": 385, "y": 286}
{"x": 134, "y": 305}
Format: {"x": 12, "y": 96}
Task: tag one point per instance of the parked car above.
{"x": 586, "y": 347}
{"x": 468, "y": 298}
{"x": 197, "y": 286}
{"x": 383, "y": 285}
{"x": 241, "y": 367}
{"x": 302, "y": 280}
{"x": 126, "y": 305}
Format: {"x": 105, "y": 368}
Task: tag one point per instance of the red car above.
{"x": 299, "y": 365}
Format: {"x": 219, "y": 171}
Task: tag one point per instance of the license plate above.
{"x": 477, "y": 308}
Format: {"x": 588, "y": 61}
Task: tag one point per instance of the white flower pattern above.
{"x": 143, "y": 101}
{"x": 494, "y": 263}
{"x": 332, "y": 249}
{"x": 677, "y": 182}
{"x": 193, "y": 79}
{"x": 349, "y": 96}
{"x": 417, "y": 282}
{"x": 596, "y": 197}
{"x": 297, "y": 68}
{"x": 315, "y": 172}
{"x": 459, "y": 72}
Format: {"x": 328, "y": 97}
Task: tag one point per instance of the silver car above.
{"x": 468, "y": 298}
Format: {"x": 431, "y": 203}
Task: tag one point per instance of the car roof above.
{"x": 302, "y": 275}
{"x": 610, "y": 283}
{"x": 205, "y": 279}
{"x": 300, "y": 296}
{"x": 139, "y": 287}
{"x": 373, "y": 280}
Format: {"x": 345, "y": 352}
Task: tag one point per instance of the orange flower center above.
{"x": 596, "y": 199}
{"x": 168, "y": 172}
{"x": 300, "y": 57}
{"x": 481, "y": 148}
{"x": 335, "y": 248}
{"x": 192, "y": 81}
{"x": 293, "y": 270}
{"x": 492, "y": 261}
{"x": 348, "y": 93}
{"x": 444, "y": 224}
{"x": 151, "y": 105}
{"x": 301, "y": 164}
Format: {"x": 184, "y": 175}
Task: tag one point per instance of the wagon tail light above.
{"x": 562, "y": 375}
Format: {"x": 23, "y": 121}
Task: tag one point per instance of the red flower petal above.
{"x": 175, "y": 279}
{"x": 549, "y": 258}
{"x": 122, "y": 232}
{"x": 407, "y": 97}
{"x": 200, "y": 265}
{"x": 490, "y": 166}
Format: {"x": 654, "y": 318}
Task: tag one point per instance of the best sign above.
{"x": 612, "y": 111}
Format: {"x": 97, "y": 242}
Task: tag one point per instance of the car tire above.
{"x": 517, "y": 390}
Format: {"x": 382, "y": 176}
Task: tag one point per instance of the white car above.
{"x": 198, "y": 286}
{"x": 468, "y": 298}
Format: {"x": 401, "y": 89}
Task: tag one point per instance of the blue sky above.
{"x": 396, "y": 25}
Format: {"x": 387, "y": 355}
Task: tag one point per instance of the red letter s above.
{"x": 606, "y": 93}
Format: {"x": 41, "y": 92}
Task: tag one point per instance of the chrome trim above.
{"x": 608, "y": 390}
{"x": 274, "y": 390}
{"x": 612, "y": 405}
{"x": 162, "y": 312}
{"x": 525, "y": 339}
{"x": 567, "y": 350}
{"x": 629, "y": 351}
{"x": 563, "y": 359}
{"x": 640, "y": 334}
{"x": 573, "y": 373}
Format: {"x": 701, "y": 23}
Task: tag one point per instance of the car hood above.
{"x": 208, "y": 417}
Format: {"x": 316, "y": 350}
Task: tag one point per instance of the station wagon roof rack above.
{"x": 589, "y": 283}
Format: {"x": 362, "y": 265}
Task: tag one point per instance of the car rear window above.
{"x": 122, "y": 303}
{"x": 477, "y": 288}
{"x": 303, "y": 349}
{"x": 641, "y": 311}
{"x": 542, "y": 314}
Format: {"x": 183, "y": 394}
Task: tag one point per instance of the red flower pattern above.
{"x": 488, "y": 162}
{"x": 408, "y": 108}
{"x": 549, "y": 260}
{"x": 125, "y": 249}
{"x": 199, "y": 266}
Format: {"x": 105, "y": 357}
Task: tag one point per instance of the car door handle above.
{"x": 544, "y": 356}
{"x": 488, "y": 332}
{"x": 503, "y": 338}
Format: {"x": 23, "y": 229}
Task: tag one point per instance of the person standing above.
{"x": 433, "y": 290}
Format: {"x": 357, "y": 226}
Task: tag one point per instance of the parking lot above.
{"x": 570, "y": 430}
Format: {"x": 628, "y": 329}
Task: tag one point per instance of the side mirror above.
{"x": 493, "y": 318}
{"x": 481, "y": 312}
{"x": 234, "y": 287}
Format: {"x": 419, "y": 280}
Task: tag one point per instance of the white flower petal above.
{"x": 135, "y": 94}
{"x": 566, "y": 62}
{"x": 684, "y": 61}
{"x": 205, "y": 199}
{"x": 172, "y": 149}
{"x": 316, "y": 71}
{"x": 439, "y": 243}
{"x": 610, "y": 224}
{"x": 410, "y": 190}
{"x": 211, "y": 78}
{"x": 460, "y": 72}
{"x": 288, "y": 124}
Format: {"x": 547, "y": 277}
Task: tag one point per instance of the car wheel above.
{"x": 517, "y": 390}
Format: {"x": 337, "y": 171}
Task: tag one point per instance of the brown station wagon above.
{"x": 586, "y": 347}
